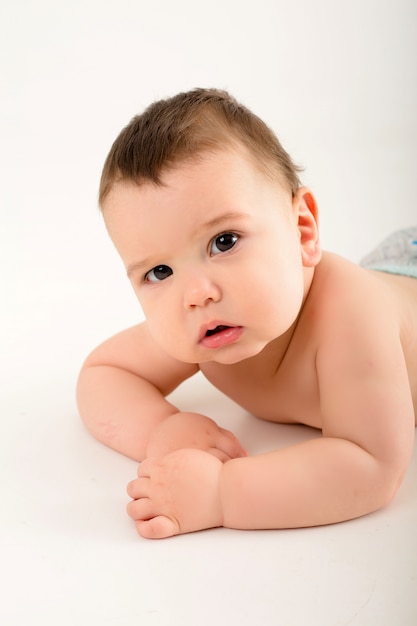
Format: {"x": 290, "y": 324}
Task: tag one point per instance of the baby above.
{"x": 221, "y": 245}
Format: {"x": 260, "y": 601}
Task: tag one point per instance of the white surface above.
{"x": 337, "y": 82}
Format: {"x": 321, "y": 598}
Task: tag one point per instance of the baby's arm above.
{"x": 121, "y": 398}
{"x": 356, "y": 468}
{"x": 368, "y": 429}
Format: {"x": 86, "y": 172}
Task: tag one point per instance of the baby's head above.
{"x": 213, "y": 227}
{"x": 187, "y": 127}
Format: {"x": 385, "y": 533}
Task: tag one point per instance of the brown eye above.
{"x": 158, "y": 273}
{"x": 223, "y": 243}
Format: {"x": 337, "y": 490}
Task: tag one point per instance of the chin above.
{"x": 236, "y": 355}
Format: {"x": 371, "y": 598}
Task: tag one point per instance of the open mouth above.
{"x": 216, "y": 330}
{"x": 221, "y": 335}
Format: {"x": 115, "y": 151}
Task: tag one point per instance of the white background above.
{"x": 337, "y": 82}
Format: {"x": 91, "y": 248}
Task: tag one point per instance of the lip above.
{"x": 222, "y": 338}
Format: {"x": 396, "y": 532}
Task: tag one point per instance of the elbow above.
{"x": 394, "y": 481}
{"x": 91, "y": 412}
{"x": 387, "y": 483}
{"x": 392, "y": 470}
{"x": 385, "y": 470}
{"x": 82, "y": 397}
{"x": 100, "y": 414}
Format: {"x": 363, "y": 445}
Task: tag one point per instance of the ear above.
{"x": 305, "y": 213}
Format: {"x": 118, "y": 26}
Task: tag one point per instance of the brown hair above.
{"x": 184, "y": 127}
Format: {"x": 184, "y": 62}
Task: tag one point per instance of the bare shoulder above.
{"x": 341, "y": 283}
{"x": 367, "y": 317}
{"x": 135, "y": 350}
{"x": 380, "y": 304}
{"x": 402, "y": 291}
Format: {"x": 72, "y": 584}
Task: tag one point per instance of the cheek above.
{"x": 159, "y": 319}
{"x": 274, "y": 296}
{"x": 154, "y": 313}
{"x": 164, "y": 333}
{"x": 271, "y": 276}
{"x": 162, "y": 323}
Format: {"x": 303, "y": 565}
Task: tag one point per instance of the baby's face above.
{"x": 213, "y": 255}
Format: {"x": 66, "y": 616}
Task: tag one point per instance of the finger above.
{"x": 229, "y": 444}
{"x": 159, "y": 527}
{"x": 140, "y": 510}
{"x": 145, "y": 467}
{"x": 138, "y": 488}
{"x": 219, "y": 454}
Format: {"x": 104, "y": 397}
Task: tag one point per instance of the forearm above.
{"x": 321, "y": 481}
{"x": 120, "y": 409}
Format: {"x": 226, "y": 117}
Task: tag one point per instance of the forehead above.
{"x": 150, "y": 222}
{"x": 222, "y": 172}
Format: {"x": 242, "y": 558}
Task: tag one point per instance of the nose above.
{"x": 199, "y": 290}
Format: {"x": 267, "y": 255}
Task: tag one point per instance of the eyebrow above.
{"x": 202, "y": 228}
{"x": 218, "y": 221}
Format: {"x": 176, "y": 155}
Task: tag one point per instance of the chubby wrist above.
{"x": 232, "y": 493}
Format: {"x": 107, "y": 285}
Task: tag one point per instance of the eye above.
{"x": 158, "y": 273}
{"x": 223, "y": 243}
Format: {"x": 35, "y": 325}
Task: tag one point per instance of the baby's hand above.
{"x": 192, "y": 430}
{"x": 179, "y": 493}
